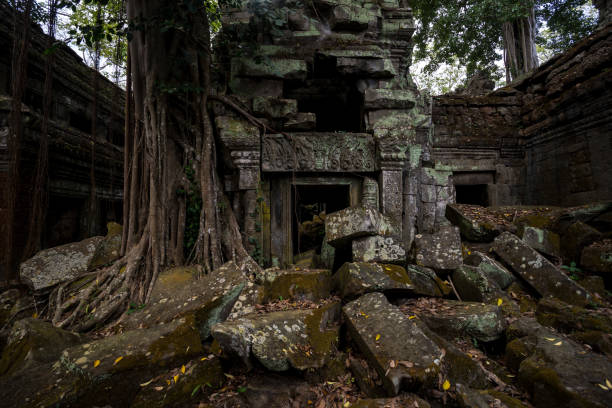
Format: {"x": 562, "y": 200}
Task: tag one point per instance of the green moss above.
{"x": 516, "y": 352}
{"x": 312, "y": 286}
{"x": 397, "y": 273}
{"x": 323, "y": 341}
{"x": 506, "y": 400}
{"x": 184, "y": 337}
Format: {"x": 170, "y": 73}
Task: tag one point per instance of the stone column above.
{"x": 248, "y": 164}
{"x": 391, "y": 192}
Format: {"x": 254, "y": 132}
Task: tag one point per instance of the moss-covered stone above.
{"x": 274, "y": 108}
{"x": 598, "y": 257}
{"x": 380, "y": 330}
{"x": 439, "y": 251}
{"x": 109, "y": 249}
{"x": 378, "y": 249}
{"x": 490, "y": 268}
{"x": 300, "y": 339}
{"x": 568, "y": 318}
{"x": 471, "y": 229}
{"x": 270, "y": 68}
{"x": 543, "y": 241}
{"x": 356, "y": 278}
{"x": 309, "y": 284}
{"x": 343, "y": 226}
{"x": 470, "y": 398}
{"x": 404, "y": 400}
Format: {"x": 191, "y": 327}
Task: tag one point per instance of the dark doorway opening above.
{"x": 311, "y": 204}
{"x": 475, "y": 194}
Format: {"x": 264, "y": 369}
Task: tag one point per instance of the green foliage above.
{"x": 134, "y": 307}
{"x": 573, "y": 270}
{"x": 470, "y": 31}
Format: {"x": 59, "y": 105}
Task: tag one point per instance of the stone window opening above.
{"x": 475, "y": 194}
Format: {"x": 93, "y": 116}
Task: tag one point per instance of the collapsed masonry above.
{"x": 69, "y": 214}
{"x": 333, "y": 77}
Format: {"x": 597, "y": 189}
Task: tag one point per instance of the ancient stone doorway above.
{"x": 476, "y": 194}
{"x": 311, "y": 204}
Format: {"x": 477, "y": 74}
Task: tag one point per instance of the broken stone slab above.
{"x": 452, "y": 319}
{"x": 354, "y": 279}
{"x": 32, "y": 342}
{"x": 426, "y": 282}
{"x": 274, "y": 108}
{"x": 597, "y": 257}
{"x": 121, "y": 362}
{"x": 492, "y": 269}
{"x": 343, "y": 226}
{"x": 178, "y": 292}
{"x": 269, "y": 68}
{"x": 367, "y": 379}
{"x": 55, "y": 265}
{"x": 537, "y": 271}
{"x": 473, "y": 285}
{"x": 378, "y": 249}
{"x": 404, "y": 400}
{"x": 366, "y": 67}
{"x": 555, "y": 370}
{"x": 109, "y": 249}
{"x": 471, "y": 228}
{"x": 404, "y": 357}
{"x": 350, "y": 17}
{"x": 389, "y": 99}
{"x": 543, "y": 241}
{"x": 302, "y": 284}
{"x": 440, "y": 250}
{"x": 236, "y": 133}
{"x": 300, "y": 339}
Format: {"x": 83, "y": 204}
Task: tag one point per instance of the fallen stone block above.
{"x": 381, "y": 332}
{"x": 537, "y": 271}
{"x": 354, "y": 279}
{"x": 555, "y": 370}
{"x": 473, "y": 285}
{"x": 543, "y": 241}
{"x": 426, "y": 282}
{"x": 440, "y": 250}
{"x": 351, "y": 223}
{"x": 378, "y": 249}
{"x": 452, "y": 319}
{"x": 577, "y": 236}
{"x": 471, "y": 398}
{"x": 178, "y": 292}
{"x": 492, "y": 269}
{"x": 59, "y": 264}
{"x": 109, "y": 249}
{"x": 472, "y": 228}
{"x": 309, "y": 284}
{"x": 280, "y": 340}
{"x": 404, "y": 400}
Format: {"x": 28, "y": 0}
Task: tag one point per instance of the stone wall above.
{"x": 69, "y": 215}
{"x": 543, "y": 140}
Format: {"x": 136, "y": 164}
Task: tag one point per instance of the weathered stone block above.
{"x": 453, "y": 319}
{"x": 366, "y": 67}
{"x": 474, "y": 286}
{"x": 269, "y": 68}
{"x": 380, "y": 331}
{"x": 492, "y": 269}
{"x": 356, "y": 278}
{"x": 311, "y": 284}
{"x": 440, "y": 250}
{"x": 544, "y": 241}
{"x": 280, "y": 340}
{"x": 471, "y": 229}
{"x": 389, "y": 99}
{"x": 597, "y": 257}
{"x": 236, "y": 133}
{"x": 274, "y": 108}
{"x": 543, "y": 276}
{"x": 60, "y": 264}
{"x": 257, "y": 87}
{"x": 346, "y": 225}
{"x": 575, "y": 238}
{"x": 378, "y": 249}
{"x": 300, "y": 122}
{"x": 352, "y": 18}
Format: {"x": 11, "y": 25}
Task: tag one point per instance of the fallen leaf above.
{"x": 231, "y": 377}
{"x": 412, "y": 317}
{"x": 168, "y": 382}
{"x": 118, "y": 359}
{"x": 377, "y": 337}
{"x": 96, "y": 363}
{"x": 159, "y": 388}
{"x": 558, "y": 343}
{"x": 603, "y": 387}
{"x": 446, "y": 385}
{"x": 147, "y": 383}
{"x": 347, "y": 404}
{"x": 392, "y": 364}
{"x": 608, "y": 383}
{"x": 183, "y": 369}
{"x": 203, "y": 358}
{"x": 176, "y": 377}
{"x": 197, "y": 387}
{"x": 35, "y": 316}
{"x": 499, "y": 302}
{"x": 550, "y": 338}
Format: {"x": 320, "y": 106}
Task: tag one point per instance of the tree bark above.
{"x": 520, "y": 54}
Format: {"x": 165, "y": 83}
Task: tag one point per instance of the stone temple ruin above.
{"x": 334, "y": 79}
{"x": 416, "y": 252}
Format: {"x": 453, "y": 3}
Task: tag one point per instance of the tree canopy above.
{"x": 472, "y": 30}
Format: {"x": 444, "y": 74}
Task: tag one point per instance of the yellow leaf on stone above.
{"x": 347, "y": 404}
{"x": 168, "y": 382}
{"x": 183, "y": 369}
{"x": 147, "y": 383}
{"x": 608, "y": 383}
{"x": 446, "y": 385}
{"x": 412, "y": 317}
{"x": 499, "y": 302}
{"x": 603, "y": 387}
{"x": 377, "y": 337}
{"x": 558, "y": 343}
{"x": 35, "y": 315}
{"x": 550, "y": 338}
{"x": 96, "y": 363}
{"x": 203, "y": 358}
{"x": 176, "y": 377}
{"x": 118, "y": 359}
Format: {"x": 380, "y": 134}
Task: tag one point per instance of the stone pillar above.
{"x": 370, "y": 194}
{"x": 248, "y": 164}
{"x": 391, "y": 191}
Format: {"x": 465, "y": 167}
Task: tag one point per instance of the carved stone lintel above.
{"x": 331, "y": 152}
{"x": 247, "y": 163}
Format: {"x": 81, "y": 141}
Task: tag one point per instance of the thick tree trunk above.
{"x": 520, "y": 55}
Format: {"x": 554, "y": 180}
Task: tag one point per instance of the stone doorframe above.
{"x": 281, "y": 221}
